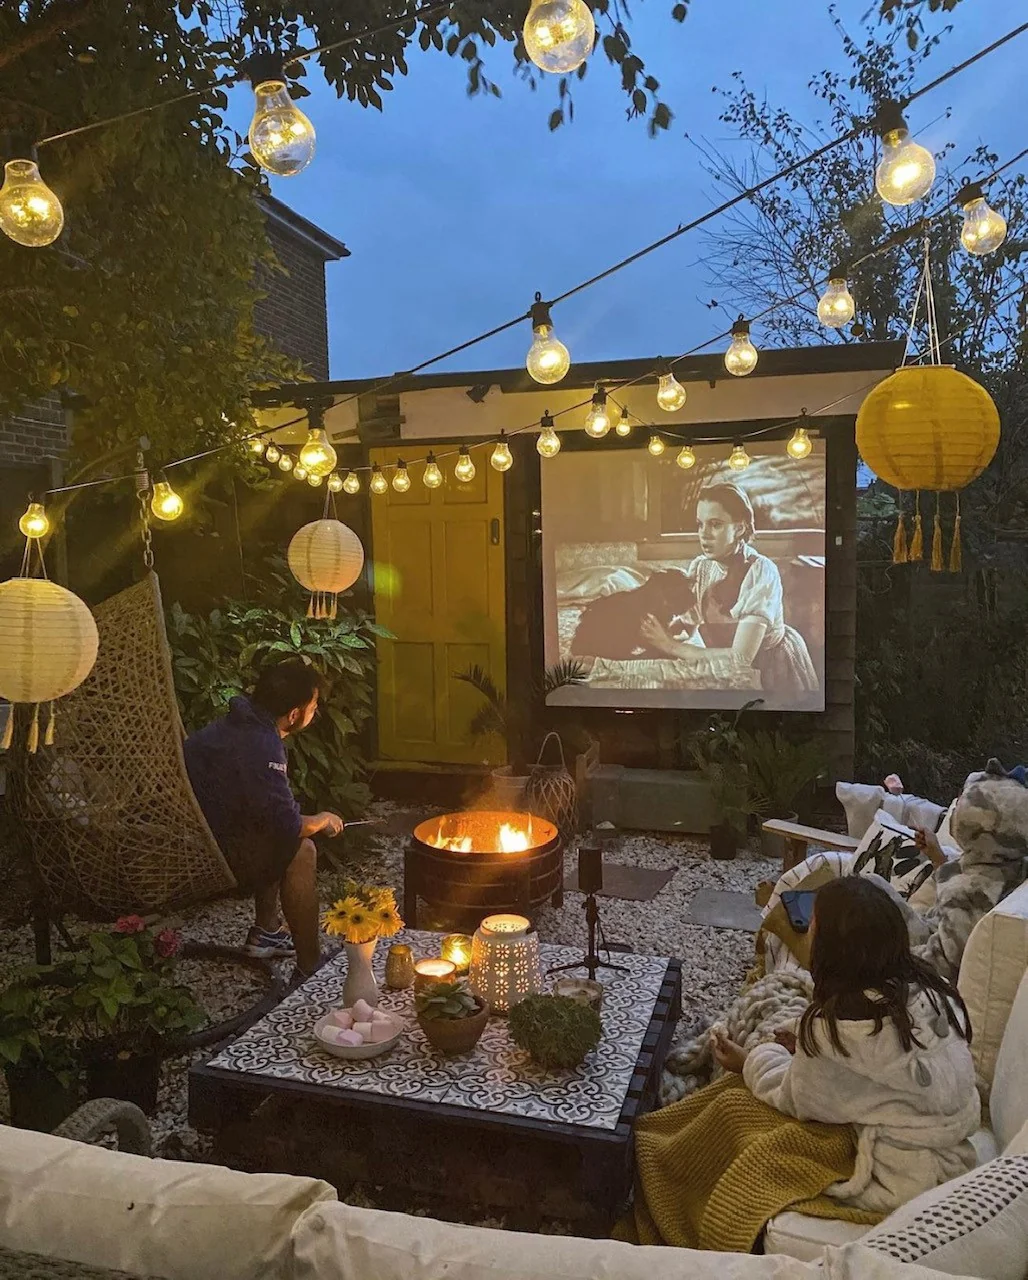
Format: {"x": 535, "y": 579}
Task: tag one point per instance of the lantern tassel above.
{"x": 956, "y": 559}
{"x": 8, "y": 737}
{"x": 48, "y": 737}
{"x": 937, "y": 564}
{"x": 32, "y": 743}
{"x": 917, "y": 541}
{"x": 332, "y": 608}
{"x": 310, "y": 606}
{"x": 900, "y": 554}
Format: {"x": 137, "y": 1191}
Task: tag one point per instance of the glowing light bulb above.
{"x": 799, "y": 445}
{"x": 317, "y": 455}
{"x": 686, "y": 458}
{"x": 352, "y": 483}
{"x": 30, "y": 213}
{"x": 256, "y": 446}
{"x": 656, "y": 446}
{"x": 165, "y": 503}
{"x": 272, "y": 453}
{"x": 624, "y": 427}
{"x": 739, "y": 459}
{"x": 285, "y": 463}
{"x": 401, "y": 480}
{"x": 35, "y": 523}
{"x": 314, "y": 481}
{"x": 378, "y": 482}
{"x": 502, "y": 459}
{"x": 282, "y": 139}
{"x": 335, "y": 482}
{"x": 741, "y": 356}
{"x": 548, "y": 359}
{"x": 671, "y": 395}
{"x": 597, "y": 422}
{"x": 906, "y": 170}
{"x": 559, "y": 34}
{"x": 984, "y": 229}
{"x": 547, "y": 443}
{"x": 299, "y": 472}
{"x": 836, "y": 307}
{"x": 464, "y": 469}
{"x": 433, "y": 477}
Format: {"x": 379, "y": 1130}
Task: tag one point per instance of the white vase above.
{"x": 360, "y": 981}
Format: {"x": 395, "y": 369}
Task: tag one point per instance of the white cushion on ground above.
{"x": 994, "y": 963}
{"x": 807, "y": 1238}
{"x": 1008, "y": 1102}
{"x": 163, "y": 1218}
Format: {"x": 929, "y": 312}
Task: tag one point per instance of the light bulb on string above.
{"x": 285, "y": 463}
{"x": 547, "y": 442}
{"x": 433, "y": 477}
{"x": 502, "y": 459}
{"x": 800, "y": 444}
{"x": 624, "y": 426}
{"x": 597, "y": 421}
{"x": 686, "y": 459}
{"x": 352, "y": 483}
{"x": 335, "y": 482}
{"x": 378, "y": 483}
{"x": 906, "y": 170}
{"x": 281, "y": 137}
{"x": 984, "y": 229}
{"x": 401, "y": 479}
{"x": 30, "y": 213}
{"x": 836, "y": 307}
{"x": 299, "y": 472}
{"x": 548, "y": 359}
{"x": 464, "y": 468}
{"x": 741, "y": 356}
{"x": 315, "y": 481}
{"x": 35, "y": 523}
{"x": 165, "y": 503}
{"x": 256, "y": 446}
{"x": 317, "y": 454}
{"x": 656, "y": 446}
{"x": 739, "y": 459}
{"x": 671, "y": 395}
{"x": 559, "y": 34}
{"x": 272, "y": 453}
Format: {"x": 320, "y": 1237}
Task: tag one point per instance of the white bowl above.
{"x": 357, "y": 1051}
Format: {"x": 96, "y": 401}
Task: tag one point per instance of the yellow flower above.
{"x": 361, "y": 926}
{"x": 388, "y": 920}
{"x": 381, "y": 899}
{"x": 337, "y": 919}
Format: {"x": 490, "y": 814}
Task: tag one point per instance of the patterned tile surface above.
{"x": 497, "y": 1076}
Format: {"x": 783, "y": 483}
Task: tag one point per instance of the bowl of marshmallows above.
{"x": 358, "y": 1032}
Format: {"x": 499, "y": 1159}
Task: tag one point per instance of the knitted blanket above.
{"x": 714, "y": 1169}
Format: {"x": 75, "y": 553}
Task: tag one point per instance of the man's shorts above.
{"x": 258, "y": 859}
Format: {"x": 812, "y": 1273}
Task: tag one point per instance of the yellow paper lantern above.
{"x": 326, "y": 557}
{"x": 48, "y": 644}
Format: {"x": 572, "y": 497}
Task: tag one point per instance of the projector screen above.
{"x": 699, "y": 588}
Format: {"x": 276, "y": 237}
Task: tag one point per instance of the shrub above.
{"x": 555, "y": 1030}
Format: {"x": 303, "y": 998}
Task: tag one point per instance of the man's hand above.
{"x": 727, "y": 1053}
{"x": 328, "y": 823}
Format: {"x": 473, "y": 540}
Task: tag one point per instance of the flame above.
{"x": 509, "y": 838}
{"x": 512, "y": 840}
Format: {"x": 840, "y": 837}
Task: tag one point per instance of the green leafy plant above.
{"x": 446, "y": 1001}
{"x": 517, "y": 720}
{"x": 555, "y": 1030}
{"x": 718, "y": 742}
{"x": 34, "y": 1021}
{"x": 731, "y": 792}
{"x": 779, "y": 771}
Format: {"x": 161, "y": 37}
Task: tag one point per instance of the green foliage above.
{"x": 780, "y": 771}
{"x": 732, "y": 793}
{"x": 518, "y": 720}
{"x": 446, "y": 1001}
{"x": 32, "y": 1022}
{"x": 718, "y": 741}
{"x": 557, "y": 1031}
{"x": 216, "y": 658}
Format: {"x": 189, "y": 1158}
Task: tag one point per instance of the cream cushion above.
{"x": 807, "y": 1238}
{"x": 162, "y": 1218}
{"x": 1008, "y": 1102}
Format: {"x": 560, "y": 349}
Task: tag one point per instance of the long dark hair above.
{"x": 861, "y": 945}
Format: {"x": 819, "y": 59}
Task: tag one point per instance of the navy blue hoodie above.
{"x": 237, "y": 768}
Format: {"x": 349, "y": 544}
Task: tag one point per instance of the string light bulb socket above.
{"x": 547, "y": 443}
{"x": 597, "y": 422}
{"x": 281, "y": 137}
{"x": 548, "y": 359}
{"x": 378, "y": 483}
{"x": 624, "y": 426}
{"x": 906, "y": 170}
{"x": 984, "y": 229}
{"x": 30, "y": 213}
{"x": 739, "y": 459}
{"x": 671, "y": 395}
{"x": 464, "y": 468}
{"x": 656, "y": 446}
{"x": 433, "y": 477}
{"x": 741, "y": 356}
{"x": 351, "y": 483}
{"x": 835, "y": 307}
{"x": 35, "y": 523}
{"x": 401, "y": 477}
{"x": 502, "y": 459}
{"x": 165, "y": 503}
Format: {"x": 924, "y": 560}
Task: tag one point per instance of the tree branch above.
{"x": 63, "y": 15}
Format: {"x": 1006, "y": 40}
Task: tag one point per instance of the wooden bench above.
{"x": 797, "y": 838}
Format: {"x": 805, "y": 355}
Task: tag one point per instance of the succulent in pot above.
{"x": 450, "y": 1015}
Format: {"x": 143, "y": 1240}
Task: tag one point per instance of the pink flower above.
{"x": 167, "y": 943}
{"x": 130, "y": 924}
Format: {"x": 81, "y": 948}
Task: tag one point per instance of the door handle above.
{"x": 494, "y": 532}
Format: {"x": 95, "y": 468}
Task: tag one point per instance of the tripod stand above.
{"x": 590, "y": 961}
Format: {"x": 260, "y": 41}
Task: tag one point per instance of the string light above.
{"x": 256, "y": 446}
{"x": 281, "y": 137}
{"x": 378, "y": 483}
{"x": 739, "y": 459}
{"x": 559, "y": 34}
{"x": 984, "y": 229}
{"x": 299, "y": 472}
{"x": 35, "y": 523}
{"x": 433, "y": 477}
{"x": 671, "y": 395}
{"x": 285, "y": 463}
{"x": 597, "y": 422}
{"x": 165, "y": 503}
{"x": 906, "y": 170}
{"x": 272, "y": 453}
{"x": 741, "y": 356}
{"x": 401, "y": 480}
{"x": 836, "y": 306}
{"x": 686, "y": 458}
{"x": 502, "y": 459}
{"x": 30, "y": 213}
{"x": 548, "y": 359}
{"x": 464, "y": 468}
{"x": 656, "y": 446}
{"x": 624, "y": 427}
{"x": 315, "y": 481}
{"x": 335, "y": 482}
{"x": 317, "y": 455}
{"x": 799, "y": 445}
{"x": 352, "y": 483}
{"x": 547, "y": 442}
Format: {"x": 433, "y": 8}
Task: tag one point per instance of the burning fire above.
{"x": 509, "y": 839}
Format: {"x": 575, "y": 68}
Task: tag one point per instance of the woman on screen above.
{"x": 739, "y": 600}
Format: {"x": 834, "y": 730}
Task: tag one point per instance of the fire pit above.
{"x": 469, "y": 865}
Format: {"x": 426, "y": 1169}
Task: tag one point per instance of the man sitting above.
{"x": 237, "y": 768}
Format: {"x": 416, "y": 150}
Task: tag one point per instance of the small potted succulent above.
{"x": 451, "y": 1016}
{"x": 557, "y": 1031}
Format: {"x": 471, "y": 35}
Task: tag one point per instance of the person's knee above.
{"x": 305, "y": 860}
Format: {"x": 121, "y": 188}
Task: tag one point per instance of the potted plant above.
{"x": 450, "y": 1015}
{"x": 556, "y": 1031}
{"x": 781, "y": 774}
{"x": 37, "y": 1052}
{"x": 734, "y": 801}
{"x": 360, "y": 914}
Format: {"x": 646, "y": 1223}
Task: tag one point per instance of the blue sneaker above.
{"x": 263, "y": 945}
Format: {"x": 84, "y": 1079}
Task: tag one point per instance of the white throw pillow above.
{"x": 860, "y": 803}
{"x": 1008, "y": 1102}
{"x": 1019, "y": 1146}
{"x": 975, "y": 1225}
{"x": 164, "y": 1218}
{"x": 918, "y": 812}
{"x": 910, "y": 875}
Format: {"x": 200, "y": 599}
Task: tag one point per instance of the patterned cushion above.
{"x": 975, "y": 1225}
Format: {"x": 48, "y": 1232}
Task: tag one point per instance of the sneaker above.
{"x": 263, "y": 945}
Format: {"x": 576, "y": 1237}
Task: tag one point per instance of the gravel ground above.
{"x": 716, "y": 960}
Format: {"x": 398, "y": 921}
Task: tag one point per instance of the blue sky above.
{"x": 456, "y": 210}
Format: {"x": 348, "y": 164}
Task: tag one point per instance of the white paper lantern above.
{"x": 326, "y": 557}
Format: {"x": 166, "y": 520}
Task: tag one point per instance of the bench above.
{"x": 797, "y": 837}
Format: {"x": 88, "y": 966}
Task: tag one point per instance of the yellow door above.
{"x": 438, "y": 573}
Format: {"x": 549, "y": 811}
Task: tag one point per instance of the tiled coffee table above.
{"x": 485, "y": 1128}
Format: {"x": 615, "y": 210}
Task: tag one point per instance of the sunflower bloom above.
{"x": 336, "y": 920}
{"x": 361, "y": 926}
{"x": 388, "y": 920}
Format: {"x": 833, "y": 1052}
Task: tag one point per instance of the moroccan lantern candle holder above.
{"x": 428, "y": 971}
{"x": 456, "y": 948}
{"x": 505, "y": 961}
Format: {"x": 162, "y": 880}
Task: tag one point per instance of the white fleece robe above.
{"x": 914, "y": 1110}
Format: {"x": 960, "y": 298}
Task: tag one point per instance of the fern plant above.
{"x": 517, "y": 720}
{"x": 780, "y": 770}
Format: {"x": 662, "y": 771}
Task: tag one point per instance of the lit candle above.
{"x": 428, "y": 971}
{"x": 506, "y": 926}
{"x": 457, "y": 948}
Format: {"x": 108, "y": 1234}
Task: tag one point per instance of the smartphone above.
{"x": 799, "y": 907}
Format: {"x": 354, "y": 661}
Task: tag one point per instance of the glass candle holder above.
{"x": 399, "y": 968}
{"x": 456, "y": 948}
{"x": 428, "y": 971}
